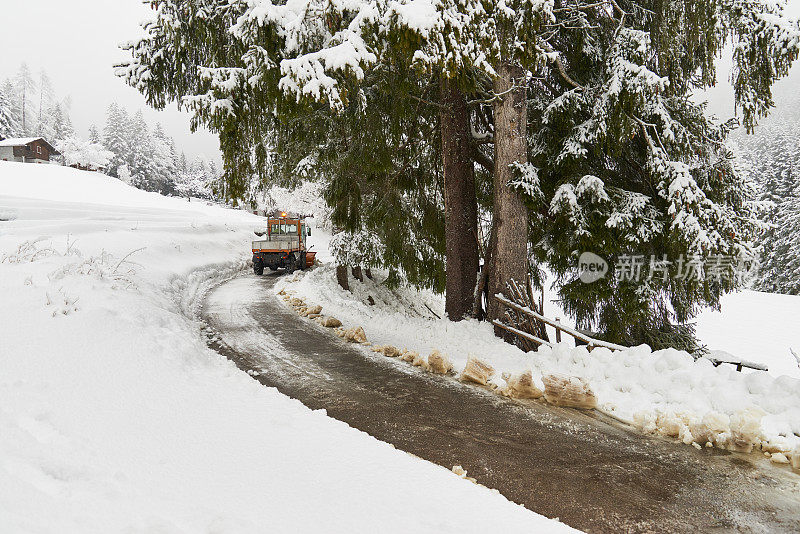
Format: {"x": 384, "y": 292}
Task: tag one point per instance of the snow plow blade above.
{"x": 310, "y": 258}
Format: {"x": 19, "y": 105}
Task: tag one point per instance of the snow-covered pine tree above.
{"x": 46, "y": 96}
{"x": 163, "y": 161}
{"x": 781, "y": 269}
{"x": 217, "y": 181}
{"x": 195, "y": 181}
{"x": 11, "y": 109}
{"x": 183, "y": 164}
{"x": 624, "y": 162}
{"x": 94, "y": 135}
{"x": 360, "y": 249}
{"x": 58, "y": 124}
{"x": 25, "y": 92}
{"x": 173, "y": 150}
{"x": 476, "y": 46}
{"x": 117, "y": 137}
{"x": 141, "y": 156}
{"x": 124, "y": 174}
{"x": 8, "y": 120}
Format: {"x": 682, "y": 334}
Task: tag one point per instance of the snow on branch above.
{"x": 84, "y": 154}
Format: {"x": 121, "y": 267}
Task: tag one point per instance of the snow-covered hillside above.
{"x": 115, "y": 416}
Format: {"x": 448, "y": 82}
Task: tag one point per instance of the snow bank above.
{"x": 658, "y": 391}
{"x": 115, "y": 416}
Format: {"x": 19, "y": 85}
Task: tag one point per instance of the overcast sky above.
{"x": 76, "y": 42}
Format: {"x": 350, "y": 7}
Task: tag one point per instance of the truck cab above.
{"x": 283, "y": 245}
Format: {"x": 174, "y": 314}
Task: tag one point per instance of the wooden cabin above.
{"x": 26, "y": 150}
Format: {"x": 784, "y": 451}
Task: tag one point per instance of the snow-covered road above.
{"x": 561, "y": 463}
{"x": 115, "y": 416}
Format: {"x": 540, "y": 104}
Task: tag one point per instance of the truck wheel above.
{"x": 303, "y": 261}
{"x": 258, "y": 267}
{"x": 291, "y": 264}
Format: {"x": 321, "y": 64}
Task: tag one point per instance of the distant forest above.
{"x": 770, "y": 157}
{"x": 126, "y": 147}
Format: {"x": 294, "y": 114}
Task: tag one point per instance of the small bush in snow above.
{"x": 28, "y": 252}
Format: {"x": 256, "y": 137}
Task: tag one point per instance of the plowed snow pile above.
{"x": 665, "y": 391}
{"x": 116, "y": 417}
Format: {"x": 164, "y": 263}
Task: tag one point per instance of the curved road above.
{"x": 584, "y": 469}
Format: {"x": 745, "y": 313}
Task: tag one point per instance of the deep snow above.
{"x": 115, "y": 416}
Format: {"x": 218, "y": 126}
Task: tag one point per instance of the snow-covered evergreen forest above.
{"x": 125, "y": 146}
{"x": 770, "y": 157}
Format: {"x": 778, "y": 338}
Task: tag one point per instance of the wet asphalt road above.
{"x": 586, "y": 470}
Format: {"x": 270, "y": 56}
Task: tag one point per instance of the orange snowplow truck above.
{"x": 283, "y": 245}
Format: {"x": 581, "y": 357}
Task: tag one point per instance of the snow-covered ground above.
{"x": 115, "y": 416}
{"x": 756, "y": 326}
{"x": 665, "y": 391}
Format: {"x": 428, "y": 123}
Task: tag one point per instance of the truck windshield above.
{"x": 283, "y": 229}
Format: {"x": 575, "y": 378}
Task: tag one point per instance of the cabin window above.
{"x": 38, "y": 150}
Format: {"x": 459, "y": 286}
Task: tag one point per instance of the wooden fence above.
{"x": 589, "y": 341}
{"x": 555, "y": 323}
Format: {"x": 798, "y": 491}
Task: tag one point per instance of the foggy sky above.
{"x": 76, "y": 42}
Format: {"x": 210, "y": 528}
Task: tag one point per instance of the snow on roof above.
{"x": 18, "y": 141}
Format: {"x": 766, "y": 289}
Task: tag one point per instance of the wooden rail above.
{"x": 520, "y": 333}
{"x": 590, "y": 341}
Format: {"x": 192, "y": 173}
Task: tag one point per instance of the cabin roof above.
{"x": 24, "y": 141}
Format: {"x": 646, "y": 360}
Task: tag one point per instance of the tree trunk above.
{"x": 481, "y": 292}
{"x": 368, "y": 272}
{"x": 509, "y": 255}
{"x": 460, "y": 204}
{"x": 341, "y": 277}
{"x": 357, "y": 274}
